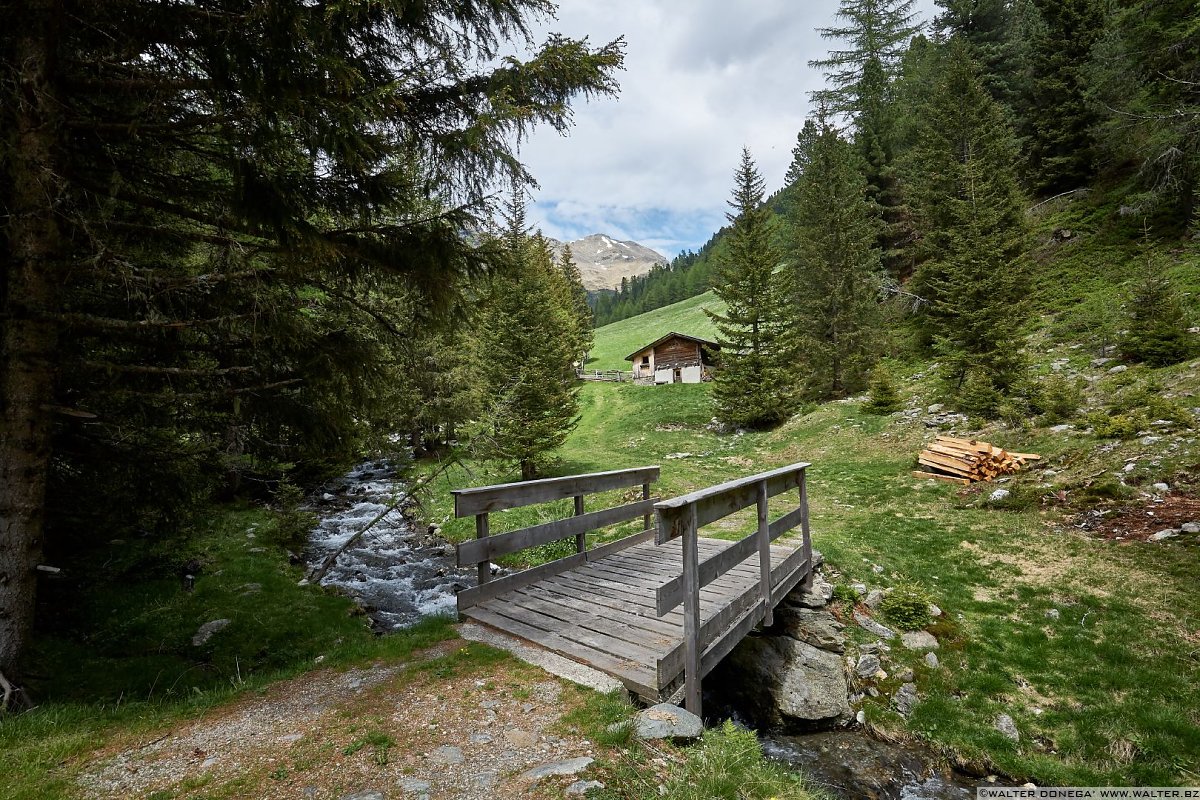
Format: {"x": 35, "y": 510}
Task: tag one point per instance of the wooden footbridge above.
{"x": 656, "y": 609}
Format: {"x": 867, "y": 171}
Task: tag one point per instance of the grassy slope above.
{"x": 1109, "y": 693}
{"x": 615, "y": 341}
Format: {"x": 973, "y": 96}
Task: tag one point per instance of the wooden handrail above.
{"x": 481, "y": 501}
{"x": 683, "y": 516}
{"x": 468, "y": 502}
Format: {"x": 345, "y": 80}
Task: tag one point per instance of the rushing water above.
{"x": 397, "y": 571}
{"x": 850, "y": 764}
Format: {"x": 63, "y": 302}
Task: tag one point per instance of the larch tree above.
{"x": 200, "y": 203}
{"x": 753, "y": 383}
{"x": 834, "y": 266}
{"x": 971, "y": 217}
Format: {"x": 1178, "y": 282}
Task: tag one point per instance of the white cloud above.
{"x": 702, "y": 79}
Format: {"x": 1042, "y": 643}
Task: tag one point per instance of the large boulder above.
{"x": 781, "y": 680}
{"x": 818, "y": 628}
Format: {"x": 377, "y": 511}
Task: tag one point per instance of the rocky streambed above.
{"x": 398, "y": 572}
{"x": 801, "y": 684}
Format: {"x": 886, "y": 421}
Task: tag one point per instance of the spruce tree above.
{"x": 1156, "y": 326}
{"x": 875, "y": 32}
{"x": 834, "y": 270}
{"x": 861, "y": 81}
{"x": 202, "y": 207}
{"x": 1061, "y": 119}
{"x": 1146, "y": 76}
{"x": 971, "y": 219}
{"x": 990, "y": 30}
{"x": 527, "y": 349}
{"x": 752, "y": 385}
{"x": 576, "y": 301}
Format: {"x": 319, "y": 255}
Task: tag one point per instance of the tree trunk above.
{"x": 34, "y": 272}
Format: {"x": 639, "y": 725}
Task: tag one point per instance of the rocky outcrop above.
{"x": 786, "y": 682}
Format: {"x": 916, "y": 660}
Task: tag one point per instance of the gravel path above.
{"x": 441, "y": 726}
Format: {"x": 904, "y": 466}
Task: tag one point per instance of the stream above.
{"x": 397, "y": 572}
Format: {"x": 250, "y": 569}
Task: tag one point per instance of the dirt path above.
{"x": 456, "y": 722}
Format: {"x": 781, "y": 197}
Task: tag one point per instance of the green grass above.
{"x": 615, "y": 341}
{"x": 1107, "y": 694}
{"x": 726, "y": 763}
{"x": 120, "y": 661}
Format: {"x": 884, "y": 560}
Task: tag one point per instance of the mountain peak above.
{"x": 603, "y": 261}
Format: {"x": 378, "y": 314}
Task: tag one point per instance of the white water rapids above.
{"x": 398, "y": 573}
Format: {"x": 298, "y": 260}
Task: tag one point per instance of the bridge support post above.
{"x": 807, "y": 583}
{"x": 691, "y": 612}
{"x": 764, "y": 554}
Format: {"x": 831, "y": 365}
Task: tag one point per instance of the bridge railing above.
{"x": 480, "y": 502}
{"x": 682, "y": 517}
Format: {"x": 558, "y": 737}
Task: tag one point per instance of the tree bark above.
{"x": 34, "y": 267}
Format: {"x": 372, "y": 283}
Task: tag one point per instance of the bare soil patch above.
{"x": 1139, "y": 521}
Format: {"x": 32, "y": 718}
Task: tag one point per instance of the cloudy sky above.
{"x": 702, "y": 78}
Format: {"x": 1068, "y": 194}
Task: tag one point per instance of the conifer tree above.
{"x": 861, "y": 81}
{"x": 972, "y": 222}
{"x": 527, "y": 350}
{"x": 576, "y": 301}
{"x": 834, "y": 270}
{"x": 200, "y": 205}
{"x": 1156, "y": 326}
{"x": 1146, "y": 75}
{"x": 752, "y": 384}
{"x": 990, "y": 30}
{"x": 1060, "y": 117}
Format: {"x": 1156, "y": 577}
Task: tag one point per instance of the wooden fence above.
{"x": 610, "y": 375}
{"x": 480, "y": 502}
{"x": 682, "y": 517}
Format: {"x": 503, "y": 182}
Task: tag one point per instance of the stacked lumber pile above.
{"x": 966, "y": 461}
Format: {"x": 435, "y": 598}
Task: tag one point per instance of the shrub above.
{"x": 1059, "y": 398}
{"x": 844, "y": 592}
{"x": 1157, "y": 326}
{"x": 883, "y": 396}
{"x": 1115, "y": 426}
{"x": 907, "y": 607}
{"x": 291, "y": 524}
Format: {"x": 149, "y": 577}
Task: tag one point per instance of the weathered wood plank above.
{"x": 484, "y": 571}
{"x": 590, "y": 604}
{"x": 763, "y": 537}
{"x": 787, "y": 522}
{"x": 618, "y": 545}
{"x": 724, "y": 645}
{"x": 478, "y": 550}
{"x": 486, "y": 591}
{"x": 670, "y": 594}
{"x": 691, "y": 613}
{"x": 724, "y": 499}
{"x": 636, "y": 677}
{"x": 523, "y": 493}
{"x": 589, "y": 630}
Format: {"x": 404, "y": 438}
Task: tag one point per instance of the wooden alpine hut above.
{"x": 674, "y": 358}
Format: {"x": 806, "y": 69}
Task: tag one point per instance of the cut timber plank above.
{"x": 947, "y": 478}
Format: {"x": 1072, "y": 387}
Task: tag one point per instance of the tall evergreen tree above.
{"x": 989, "y": 29}
{"x": 861, "y": 81}
{"x": 752, "y": 386}
{"x": 972, "y": 220}
{"x": 875, "y": 33}
{"x": 1146, "y": 75}
{"x": 575, "y": 301}
{"x": 834, "y": 267}
{"x": 527, "y": 349}
{"x": 1060, "y": 118}
{"x": 196, "y": 196}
